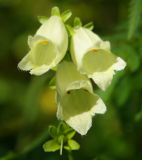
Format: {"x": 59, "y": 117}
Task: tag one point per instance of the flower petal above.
{"x": 78, "y": 107}
{"x": 40, "y": 70}
{"x": 43, "y": 52}
{"x": 25, "y": 64}
{"x": 103, "y": 76}
{"x": 68, "y": 78}
{"x": 42, "y": 56}
{"x": 97, "y": 60}
{"x": 119, "y": 65}
{"x": 54, "y": 30}
{"x": 99, "y": 108}
{"x": 32, "y": 41}
{"x": 103, "y": 79}
{"x": 82, "y": 40}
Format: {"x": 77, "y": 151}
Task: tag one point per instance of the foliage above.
{"x": 22, "y": 131}
{"x": 134, "y": 17}
{"x": 62, "y": 138}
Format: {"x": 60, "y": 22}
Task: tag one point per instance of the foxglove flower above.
{"x": 76, "y": 102}
{"x": 94, "y": 58}
{"x": 47, "y": 47}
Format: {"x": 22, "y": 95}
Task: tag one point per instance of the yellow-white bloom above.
{"x": 76, "y": 102}
{"x": 47, "y": 47}
{"x": 94, "y": 58}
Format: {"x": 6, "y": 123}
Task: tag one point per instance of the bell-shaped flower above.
{"x": 93, "y": 57}
{"x": 47, "y": 47}
{"x": 76, "y": 102}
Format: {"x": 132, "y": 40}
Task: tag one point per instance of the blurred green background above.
{"x": 27, "y": 104}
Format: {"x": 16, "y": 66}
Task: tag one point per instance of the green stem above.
{"x": 70, "y": 157}
{"x": 61, "y": 148}
{"x": 28, "y": 148}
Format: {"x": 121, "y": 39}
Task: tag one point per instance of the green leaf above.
{"x": 60, "y": 139}
{"x": 31, "y": 106}
{"x": 62, "y": 128}
{"x": 52, "y": 83}
{"x": 52, "y": 131}
{"x": 130, "y": 55}
{"x": 70, "y": 30}
{"x": 77, "y": 22}
{"x": 71, "y": 134}
{"x": 138, "y": 116}
{"x": 67, "y": 148}
{"x": 125, "y": 88}
{"x": 73, "y": 144}
{"x": 135, "y": 16}
{"x": 42, "y": 19}
{"x": 66, "y": 15}
{"x": 51, "y": 146}
{"x": 89, "y": 25}
{"x": 55, "y": 11}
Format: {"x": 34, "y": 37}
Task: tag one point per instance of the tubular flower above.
{"x": 76, "y": 102}
{"x": 47, "y": 47}
{"x": 94, "y": 58}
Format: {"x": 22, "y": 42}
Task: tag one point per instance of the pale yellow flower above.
{"x": 76, "y": 102}
{"x": 47, "y": 47}
{"x": 94, "y": 58}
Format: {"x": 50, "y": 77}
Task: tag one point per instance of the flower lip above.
{"x": 78, "y": 107}
{"x": 97, "y": 60}
{"x": 77, "y": 97}
{"x": 43, "y": 52}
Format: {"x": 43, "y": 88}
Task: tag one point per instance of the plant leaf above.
{"x": 42, "y": 19}
{"x": 135, "y": 15}
{"x": 51, "y": 146}
{"x": 52, "y": 131}
{"x": 77, "y": 22}
{"x": 55, "y": 11}
{"x": 66, "y": 15}
{"x": 71, "y": 134}
{"x": 89, "y": 25}
{"x": 73, "y": 144}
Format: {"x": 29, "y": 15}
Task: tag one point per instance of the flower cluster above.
{"x": 91, "y": 58}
